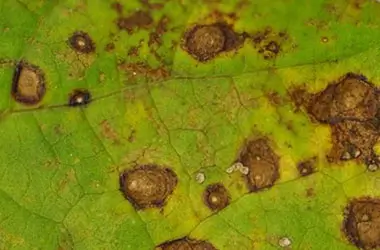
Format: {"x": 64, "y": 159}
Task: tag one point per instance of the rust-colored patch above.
{"x": 267, "y": 42}
{"x": 186, "y": 244}
{"x": 262, "y": 162}
{"x": 205, "y": 42}
{"x": 275, "y": 98}
{"x": 148, "y": 185}
{"x": 300, "y": 97}
{"x": 307, "y": 167}
{"x": 138, "y": 20}
{"x": 361, "y": 223}
{"x": 109, "y": 132}
{"x": 216, "y": 197}
{"x": 136, "y": 70}
{"x": 81, "y": 42}
{"x": 118, "y": 7}
{"x": 28, "y": 84}
{"x": 161, "y": 28}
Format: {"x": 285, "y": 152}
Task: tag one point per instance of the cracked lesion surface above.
{"x": 350, "y": 106}
{"x": 263, "y": 164}
{"x": 362, "y": 222}
{"x": 216, "y": 197}
{"x": 148, "y": 185}
{"x": 204, "y": 42}
{"x": 28, "y": 86}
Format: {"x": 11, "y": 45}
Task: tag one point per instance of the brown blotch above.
{"x": 205, "y": 42}
{"x": 262, "y": 162}
{"x": 307, "y": 167}
{"x": 351, "y": 98}
{"x": 361, "y": 223}
{"x": 148, "y": 185}
{"x": 136, "y": 70}
{"x": 353, "y": 140}
{"x": 350, "y": 106}
{"x": 81, "y": 42}
{"x": 186, "y": 244}
{"x": 28, "y": 84}
{"x": 216, "y": 197}
{"x": 139, "y": 19}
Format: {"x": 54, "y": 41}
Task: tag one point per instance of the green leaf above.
{"x": 181, "y": 113}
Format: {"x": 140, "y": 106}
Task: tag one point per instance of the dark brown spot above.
{"x": 186, "y": 244}
{"x": 79, "y": 97}
{"x": 262, "y": 162}
{"x": 110, "y": 47}
{"x": 148, "y": 185}
{"x": 118, "y": 7}
{"x": 204, "y": 42}
{"x": 216, "y": 197}
{"x": 361, "y": 223}
{"x": 81, "y": 42}
{"x": 352, "y": 97}
{"x": 267, "y": 42}
{"x": 139, "y": 19}
{"x": 306, "y": 168}
{"x": 161, "y": 28}
{"x": 28, "y": 84}
{"x": 273, "y": 47}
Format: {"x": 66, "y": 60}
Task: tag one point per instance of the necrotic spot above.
{"x": 361, "y": 223}
{"x": 216, "y": 197}
{"x": 306, "y": 168}
{"x": 79, "y": 97}
{"x": 81, "y": 42}
{"x": 147, "y": 185}
{"x": 186, "y": 244}
{"x": 28, "y": 86}
{"x": 262, "y": 162}
{"x": 204, "y": 42}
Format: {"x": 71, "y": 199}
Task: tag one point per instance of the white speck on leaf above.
{"x": 284, "y": 242}
{"x": 244, "y": 170}
{"x": 200, "y": 177}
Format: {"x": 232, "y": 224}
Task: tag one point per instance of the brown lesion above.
{"x": 186, "y": 243}
{"x": 138, "y": 20}
{"x": 205, "y": 41}
{"x": 268, "y": 42}
{"x": 263, "y": 164}
{"x": 148, "y": 186}
{"x": 307, "y": 167}
{"x": 361, "y": 224}
{"x": 28, "y": 84}
{"x": 350, "y": 106}
{"x": 216, "y": 197}
{"x": 136, "y": 70}
{"x": 81, "y": 42}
